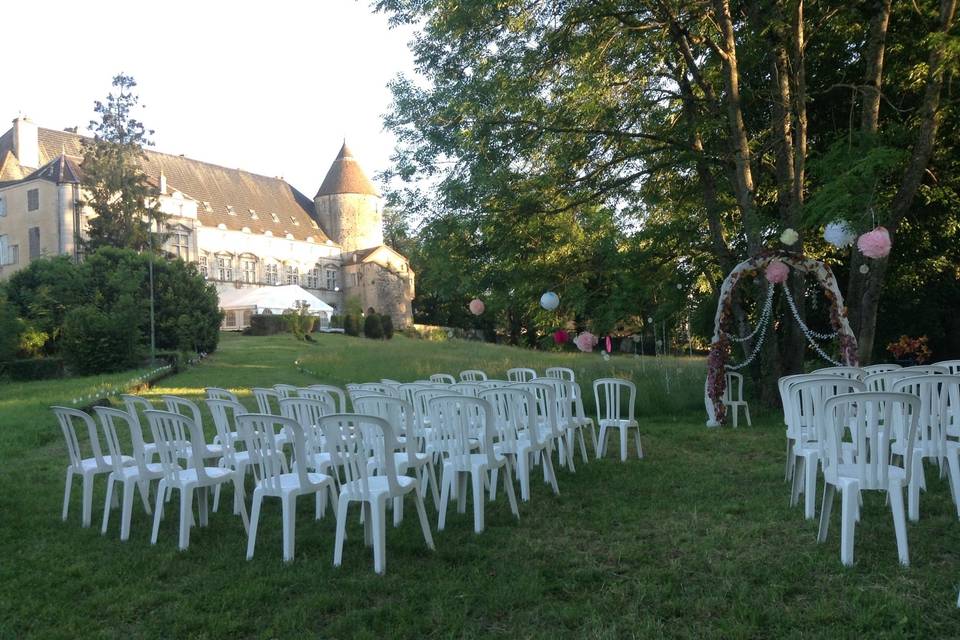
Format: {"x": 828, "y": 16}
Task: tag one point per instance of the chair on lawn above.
{"x": 136, "y": 476}
{"x": 217, "y": 393}
{"x": 268, "y": 400}
{"x": 352, "y": 439}
{"x": 521, "y": 374}
{"x": 857, "y": 431}
{"x": 884, "y": 367}
{"x": 563, "y": 373}
{"x": 135, "y": 406}
{"x": 609, "y": 395}
{"x": 853, "y": 373}
{"x": 88, "y": 468}
{"x": 328, "y": 393}
{"x": 443, "y": 378}
{"x": 953, "y": 366}
{"x": 273, "y": 479}
{"x": 472, "y": 375}
{"x": 733, "y": 397}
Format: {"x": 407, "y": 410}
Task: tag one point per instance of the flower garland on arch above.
{"x": 720, "y": 344}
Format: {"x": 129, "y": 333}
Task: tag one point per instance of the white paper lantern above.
{"x": 549, "y": 301}
{"x": 839, "y": 235}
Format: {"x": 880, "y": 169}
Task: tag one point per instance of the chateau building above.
{"x": 241, "y": 229}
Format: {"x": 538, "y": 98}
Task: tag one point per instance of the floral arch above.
{"x": 775, "y": 265}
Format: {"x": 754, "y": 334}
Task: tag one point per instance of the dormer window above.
{"x": 207, "y": 207}
{"x": 230, "y": 210}
{"x": 275, "y": 217}
{"x": 253, "y": 214}
{"x": 295, "y": 222}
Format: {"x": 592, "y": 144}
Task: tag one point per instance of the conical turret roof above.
{"x": 346, "y": 176}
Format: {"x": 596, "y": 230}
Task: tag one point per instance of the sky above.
{"x": 268, "y": 87}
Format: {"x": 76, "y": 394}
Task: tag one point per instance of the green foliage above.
{"x": 116, "y": 186}
{"x": 336, "y": 321}
{"x": 32, "y": 342}
{"x": 267, "y": 325}
{"x": 386, "y": 321}
{"x": 352, "y": 306}
{"x": 299, "y": 321}
{"x": 42, "y": 293}
{"x": 372, "y": 327}
{"x": 98, "y": 342}
{"x": 351, "y": 325}
{"x": 36, "y": 368}
{"x": 10, "y": 328}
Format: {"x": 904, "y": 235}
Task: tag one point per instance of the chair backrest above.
{"x": 545, "y": 399}
{"x": 399, "y": 415}
{"x": 351, "y": 439}
{"x": 390, "y": 382}
{"x": 786, "y": 398}
{"x": 734, "y": 389}
{"x": 307, "y": 413}
{"x": 884, "y": 380}
{"x": 285, "y": 390}
{"x": 268, "y": 400}
{"x": 953, "y": 366}
{"x": 807, "y": 398}
{"x": 259, "y": 433}
{"x": 854, "y": 373}
{"x": 515, "y": 414}
{"x": 108, "y": 422}
{"x": 333, "y": 392}
{"x": 871, "y": 369}
{"x": 564, "y": 373}
{"x": 472, "y": 375}
{"x": 565, "y": 396}
{"x": 409, "y": 390}
{"x": 459, "y": 421}
{"x": 466, "y": 388}
{"x": 135, "y": 406}
{"x": 610, "y": 394}
{"x": 68, "y": 419}
{"x": 493, "y": 383}
{"x": 865, "y": 423}
{"x": 330, "y": 400}
{"x": 216, "y": 393}
{"x": 184, "y": 407}
{"x": 178, "y": 438}
{"x": 521, "y": 374}
{"x": 444, "y": 378}
{"x": 927, "y": 368}
{"x": 939, "y": 394}
{"x": 224, "y": 413}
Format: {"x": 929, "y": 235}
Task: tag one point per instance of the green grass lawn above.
{"x": 697, "y": 540}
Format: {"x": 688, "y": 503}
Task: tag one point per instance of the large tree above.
{"x": 114, "y": 184}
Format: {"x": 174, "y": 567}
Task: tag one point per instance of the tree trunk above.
{"x": 873, "y": 71}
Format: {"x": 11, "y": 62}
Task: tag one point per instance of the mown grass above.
{"x": 694, "y": 541}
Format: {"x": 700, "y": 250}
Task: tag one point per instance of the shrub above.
{"x": 336, "y": 321}
{"x": 267, "y": 325}
{"x": 173, "y": 358}
{"x": 350, "y": 325}
{"x": 372, "y": 327}
{"x": 95, "y": 342}
{"x": 387, "y": 323}
{"x": 10, "y": 328}
{"x": 36, "y": 368}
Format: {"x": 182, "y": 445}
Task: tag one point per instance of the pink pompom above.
{"x": 560, "y": 336}
{"x": 477, "y": 306}
{"x": 875, "y": 244}
{"x": 777, "y": 272}
{"x": 586, "y": 341}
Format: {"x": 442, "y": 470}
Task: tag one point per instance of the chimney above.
{"x": 163, "y": 183}
{"x": 26, "y": 145}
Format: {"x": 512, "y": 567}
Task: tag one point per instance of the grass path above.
{"x": 695, "y": 541}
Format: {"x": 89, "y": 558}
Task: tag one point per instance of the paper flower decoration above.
{"x": 864, "y": 269}
{"x": 560, "y": 336}
{"x": 839, "y": 235}
{"x": 777, "y": 272}
{"x": 477, "y": 306}
{"x": 875, "y": 244}
{"x": 586, "y": 341}
{"x": 789, "y": 237}
{"x": 549, "y": 301}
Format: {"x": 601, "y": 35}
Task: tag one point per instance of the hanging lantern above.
{"x": 839, "y": 234}
{"x": 560, "y": 336}
{"x": 549, "y": 301}
{"x": 777, "y": 272}
{"x": 609, "y": 345}
{"x": 586, "y": 341}
{"x": 477, "y": 306}
{"x": 789, "y": 237}
{"x": 875, "y": 244}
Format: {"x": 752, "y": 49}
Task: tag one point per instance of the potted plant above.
{"x": 910, "y": 351}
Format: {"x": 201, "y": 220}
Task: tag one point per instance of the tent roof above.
{"x": 276, "y": 299}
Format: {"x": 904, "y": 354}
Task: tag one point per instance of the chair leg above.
{"x": 797, "y": 475}
{"x": 636, "y": 434}
{"x": 342, "y": 505}
{"x": 444, "y": 498}
{"x": 953, "y": 462}
{"x": 87, "y": 498}
{"x": 240, "y": 501}
{"x": 203, "y": 495}
{"x": 508, "y": 485}
{"x": 551, "y": 474}
{"x": 66, "y": 492}
{"x": 397, "y": 511}
{"x": 289, "y": 513}
{"x": 432, "y": 471}
{"x": 158, "y": 510}
{"x": 593, "y": 435}
{"x": 623, "y": 444}
{"x": 129, "y": 488}
{"x": 602, "y": 441}
{"x": 825, "y": 509}
{"x": 462, "y": 481}
{"x": 424, "y": 523}
{"x": 144, "y": 488}
{"x": 477, "y": 477}
{"x": 106, "y": 504}
{"x": 378, "y": 525}
{"x": 583, "y": 444}
{"x": 899, "y": 524}
{"x": 914, "y": 488}
{"x": 367, "y": 524}
{"x": 746, "y": 411}
{"x": 186, "y": 515}
{"x": 810, "y": 489}
{"x": 254, "y": 521}
{"x": 849, "y": 524}
{"x": 523, "y": 470}
{"x": 216, "y": 498}
{"x": 494, "y": 477}
{"x": 736, "y": 412}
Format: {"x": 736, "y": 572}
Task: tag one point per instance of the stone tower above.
{"x": 348, "y": 206}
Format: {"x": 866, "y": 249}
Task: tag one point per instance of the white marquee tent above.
{"x": 239, "y": 304}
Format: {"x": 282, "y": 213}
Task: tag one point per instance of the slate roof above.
{"x": 61, "y": 169}
{"x": 346, "y": 176}
{"x": 278, "y": 207}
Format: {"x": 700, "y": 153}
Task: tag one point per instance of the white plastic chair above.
{"x": 217, "y": 393}
{"x": 471, "y": 389}
{"x": 307, "y": 413}
{"x": 609, "y": 394}
{"x": 187, "y": 408}
{"x": 169, "y": 430}
{"x": 472, "y": 375}
{"x": 138, "y": 475}
{"x": 452, "y": 417}
{"x": 224, "y": 413}
{"x": 857, "y": 431}
{"x": 884, "y": 367}
{"x": 936, "y": 392}
{"x": 268, "y": 400}
{"x": 518, "y": 436}
{"x": 733, "y": 397}
{"x": 88, "y": 468}
{"x": 274, "y": 480}
{"x": 884, "y": 380}
{"x": 549, "y": 427}
{"x": 569, "y": 421}
{"x": 927, "y": 369}
{"x": 135, "y": 406}
{"x": 333, "y": 392}
{"x": 807, "y": 398}
{"x": 783, "y": 385}
{"x": 443, "y": 378}
{"x": 285, "y": 390}
{"x": 352, "y": 438}
{"x": 953, "y": 366}
{"x": 564, "y": 373}
{"x": 521, "y": 374}
{"x": 854, "y": 373}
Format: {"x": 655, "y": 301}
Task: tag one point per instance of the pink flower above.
{"x": 560, "y": 336}
{"x": 777, "y": 272}
{"x": 586, "y": 341}
{"x": 875, "y": 244}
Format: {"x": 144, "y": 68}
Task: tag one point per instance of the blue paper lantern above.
{"x": 549, "y": 301}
